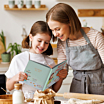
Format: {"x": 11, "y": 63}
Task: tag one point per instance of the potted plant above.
{"x": 14, "y": 49}
{"x": 5, "y": 56}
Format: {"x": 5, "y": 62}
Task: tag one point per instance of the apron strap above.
{"x": 85, "y": 82}
{"x": 85, "y": 36}
{"x": 88, "y": 41}
{"x": 67, "y": 50}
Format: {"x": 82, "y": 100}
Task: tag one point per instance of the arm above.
{"x": 62, "y": 75}
{"x": 99, "y": 41}
{"x": 18, "y": 77}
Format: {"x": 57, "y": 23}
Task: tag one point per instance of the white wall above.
{"x": 11, "y": 21}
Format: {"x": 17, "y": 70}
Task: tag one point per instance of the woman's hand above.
{"x": 62, "y": 73}
{"x": 20, "y": 76}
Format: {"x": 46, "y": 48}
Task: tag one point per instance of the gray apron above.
{"x": 88, "y": 68}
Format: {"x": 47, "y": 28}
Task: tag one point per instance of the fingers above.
{"x": 22, "y": 76}
{"x": 62, "y": 73}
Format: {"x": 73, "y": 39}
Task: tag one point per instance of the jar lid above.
{"x": 18, "y": 86}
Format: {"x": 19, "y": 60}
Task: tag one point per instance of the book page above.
{"x": 53, "y": 77}
{"x": 37, "y": 74}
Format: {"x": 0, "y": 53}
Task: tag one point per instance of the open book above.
{"x": 42, "y": 76}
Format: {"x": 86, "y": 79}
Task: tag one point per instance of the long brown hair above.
{"x": 64, "y": 13}
{"x": 39, "y": 27}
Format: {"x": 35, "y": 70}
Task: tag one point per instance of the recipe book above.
{"x": 41, "y": 76}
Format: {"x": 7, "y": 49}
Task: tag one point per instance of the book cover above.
{"x": 42, "y": 76}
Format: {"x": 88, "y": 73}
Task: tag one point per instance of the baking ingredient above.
{"x": 79, "y": 101}
{"x": 18, "y": 97}
{"x": 44, "y": 97}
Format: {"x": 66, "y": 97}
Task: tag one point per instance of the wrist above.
{"x": 61, "y": 79}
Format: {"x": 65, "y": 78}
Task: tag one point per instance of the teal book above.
{"x": 41, "y": 76}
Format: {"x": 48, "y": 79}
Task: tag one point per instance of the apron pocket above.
{"x": 96, "y": 88}
{"x": 75, "y": 86}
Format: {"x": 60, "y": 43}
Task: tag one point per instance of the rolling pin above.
{"x": 81, "y": 96}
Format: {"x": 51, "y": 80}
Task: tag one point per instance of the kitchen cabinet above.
{"x": 2, "y": 84}
{"x": 43, "y": 7}
{"x": 3, "y": 69}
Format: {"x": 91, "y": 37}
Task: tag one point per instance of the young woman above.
{"x": 39, "y": 37}
{"x": 83, "y": 47}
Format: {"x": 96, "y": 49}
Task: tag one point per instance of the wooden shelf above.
{"x": 91, "y": 12}
{"x": 54, "y": 45}
{"x": 43, "y": 7}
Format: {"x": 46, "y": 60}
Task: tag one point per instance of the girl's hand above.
{"x": 62, "y": 73}
{"x": 20, "y": 76}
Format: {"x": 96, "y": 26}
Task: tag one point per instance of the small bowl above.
{"x": 5, "y": 99}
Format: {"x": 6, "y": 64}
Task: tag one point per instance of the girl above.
{"x": 39, "y": 43}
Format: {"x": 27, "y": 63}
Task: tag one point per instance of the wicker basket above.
{"x": 5, "y": 99}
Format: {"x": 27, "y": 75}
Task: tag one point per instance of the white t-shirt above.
{"x": 20, "y": 61}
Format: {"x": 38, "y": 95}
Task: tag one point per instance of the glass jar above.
{"x": 18, "y": 96}
{"x": 20, "y": 3}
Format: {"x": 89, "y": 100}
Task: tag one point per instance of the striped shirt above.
{"x": 96, "y": 38}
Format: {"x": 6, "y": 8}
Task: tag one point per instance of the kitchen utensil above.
{"x": 5, "y": 90}
{"x": 81, "y": 96}
{"x": 24, "y": 33}
{"x": 28, "y": 95}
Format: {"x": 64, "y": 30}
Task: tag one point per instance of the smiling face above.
{"x": 40, "y": 42}
{"x": 60, "y": 30}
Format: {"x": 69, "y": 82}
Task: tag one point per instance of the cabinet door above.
{"x": 2, "y": 84}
